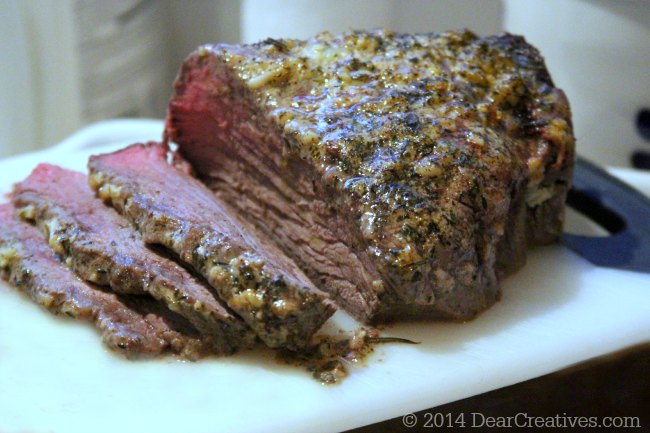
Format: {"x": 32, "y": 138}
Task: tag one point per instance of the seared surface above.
{"x": 173, "y": 209}
{"x": 133, "y": 326}
{"x": 102, "y": 247}
{"x": 405, "y": 173}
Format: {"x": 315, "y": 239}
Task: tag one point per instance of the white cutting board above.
{"x": 55, "y": 375}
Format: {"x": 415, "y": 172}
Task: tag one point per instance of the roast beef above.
{"x": 129, "y": 325}
{"x": 405, "y": 174}
{"x": 173, "y": 209}
{"x": 104, "y": 248}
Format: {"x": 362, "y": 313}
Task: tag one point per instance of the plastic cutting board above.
{"x": 55, "y": 375}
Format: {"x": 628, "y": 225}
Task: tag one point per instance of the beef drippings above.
{"x": 329, "y": 359}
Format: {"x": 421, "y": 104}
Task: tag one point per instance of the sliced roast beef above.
{"x": 104, "y": 248}
{"x": 134, "y": 326}
{"x": 405, "y": 174}
{"x": 173, "y": 209}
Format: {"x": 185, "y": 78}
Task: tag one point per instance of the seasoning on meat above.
{"x": 133, "y": 326}
{"x": 171, "y": 208}
{"x": 102, "y": 247}
{"x": 405, "y": 174}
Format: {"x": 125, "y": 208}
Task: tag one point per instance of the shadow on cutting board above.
{"x": 615, "y": 385}
{"x": 550, "y": 279}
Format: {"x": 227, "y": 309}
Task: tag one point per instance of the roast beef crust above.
{"x": 132, "y": 326}
{"x": 251, "y": 275}
{"x": 428, "y": 163}
{"x": 104, "y": 248}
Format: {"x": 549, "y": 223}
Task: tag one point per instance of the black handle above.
{"x": 643, "y": 123}
{"x": 620, "y": 209}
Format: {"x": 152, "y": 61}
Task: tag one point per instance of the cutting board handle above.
{"x": 617, "y": 207}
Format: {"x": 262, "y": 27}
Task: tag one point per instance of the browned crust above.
{"x": 523, "y": 169}
{"x": 277, "y": 302}
{"x": 134, "y": 327}
{"x": 76, "y": 226}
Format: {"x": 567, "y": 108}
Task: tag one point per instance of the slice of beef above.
{"x": 103, "y": 247}
{"x": 133, "y": 326}
{"x": 251, "y": 275}
{"x": 406, "y": 174}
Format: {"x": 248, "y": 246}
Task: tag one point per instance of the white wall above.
{"x": 64, "y": 65}
{"x": 196, "y": 22}
{"x": 598, "y": 52}
{"x": 304, "y": 18}
{"x": 40, "y": 96}
{"x": 17, "y": 100}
